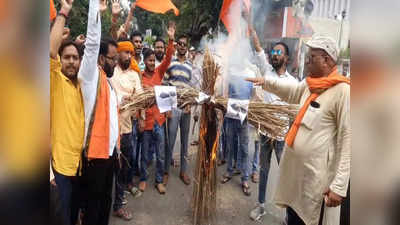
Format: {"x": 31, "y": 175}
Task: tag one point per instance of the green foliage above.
{"x": 195, "y": 19}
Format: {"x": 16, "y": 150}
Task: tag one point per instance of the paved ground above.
{"x": 173, "y": 208}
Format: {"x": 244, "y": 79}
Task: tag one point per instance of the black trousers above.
{"x": 294, "y": 219}
{"x": 98, "y": 175}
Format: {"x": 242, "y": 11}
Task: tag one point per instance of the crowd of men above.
{"x": 96, "y": 146}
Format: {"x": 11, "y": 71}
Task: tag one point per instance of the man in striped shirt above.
{"x": 179, "y": 74}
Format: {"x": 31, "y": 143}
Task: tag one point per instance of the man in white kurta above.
{"x": 315, "y": 170}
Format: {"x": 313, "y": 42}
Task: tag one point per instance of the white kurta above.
{"x": 320, "y": 157}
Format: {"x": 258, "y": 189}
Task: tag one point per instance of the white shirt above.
{"x": 88, "y": 74}
{"x": 269, "y": 71}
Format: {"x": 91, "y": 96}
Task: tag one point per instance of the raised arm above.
{"x": 170, "y": 50}
{"x": 129, "y": 18}
{"x": 261, "y": 59}
{"x": 88, "y": 72}
{"x": 115, "y": 12}
{"x": 58, "y": 33}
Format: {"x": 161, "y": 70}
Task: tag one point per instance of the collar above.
{"x": 286, "y": 74}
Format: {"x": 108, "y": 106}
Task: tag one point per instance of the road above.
{"x": 173, "y": 208}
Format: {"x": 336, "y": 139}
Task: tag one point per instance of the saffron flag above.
{"x": 157, "y": 6}
{"x": 53, "y": 12}
{"x": 225, "y": 10}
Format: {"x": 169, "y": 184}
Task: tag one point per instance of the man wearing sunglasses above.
{"x": 179, "y": 74}
{"x": 278, "y": 59}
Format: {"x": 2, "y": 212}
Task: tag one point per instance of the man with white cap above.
{"x": 315, "y": 166}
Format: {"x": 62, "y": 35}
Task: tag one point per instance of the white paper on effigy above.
{"x": 202, "y": 98}
{"x": 237, "y": 109}
{"x": 166, "y": 98}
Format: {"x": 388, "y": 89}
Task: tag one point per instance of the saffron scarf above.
{"x": 316, "y": 86}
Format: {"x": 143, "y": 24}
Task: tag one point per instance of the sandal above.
{"x": 123, "y": 214}
{"x": 225, "y": 178}
{"x": 246, "y": 189}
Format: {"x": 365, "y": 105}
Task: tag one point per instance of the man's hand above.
{"x": 187, "y": 109}
{"x": 168, "y": 114}
{"x": 133, "y": 6}
{"x": 116, "y": 8}
{"x": 171, "y": 30}
{"x": 53, "y": 182}
{"x": 66, "y": 33}
{"x": 332, "y": 199}
{"x": 103, "y": 5}
{"x": 256, "y": 81}
{"x": 80, "y": 40}
{"x": 141, "y": 125}
{"x": 66, "y": 6}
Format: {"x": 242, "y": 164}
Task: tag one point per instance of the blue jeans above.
{"x": 183, "y": 121}
{"x": 223, "y": 152}
{"x": 237, "y": 132}
{"x": 134, "y": 165}
{"x": 124, "y": 175}
{"x": 265, "y": 162}
{"x": 157, "y": 136}
{"x": 256, "y": 156}
{"x": 68, "y": 188}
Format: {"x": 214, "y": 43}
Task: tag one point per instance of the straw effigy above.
{"x": 266, "y": 118}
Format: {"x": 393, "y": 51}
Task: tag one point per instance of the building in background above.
{"x": 296, "y": 21}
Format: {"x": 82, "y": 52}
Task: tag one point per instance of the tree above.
{"x": 196, "y": 18}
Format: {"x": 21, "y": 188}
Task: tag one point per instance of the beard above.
{"x": 276, "y": 64}
{"x": 125, "y": 65}
{"x": 159, "y": 56}
{"x": 70, "y": 72}
{"x": 109, "y": 70}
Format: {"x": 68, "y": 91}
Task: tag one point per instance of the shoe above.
{"x": 160, "y": 188}
{"x": 142, "y": 186}
{"x": 123, "y": 214}
{"x": 185, "y": 178}
{"x": 221, "y": 162}
{"x": 134, "y": 191}
{"x": 165, "y": 179}
{"x": 246, "y": 189}
{"x": 258, "y": 212}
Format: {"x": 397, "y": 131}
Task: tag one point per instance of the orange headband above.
{"x": 125, "y": 46}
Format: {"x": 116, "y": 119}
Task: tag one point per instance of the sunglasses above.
{"x": 181, "y": 44}
{"x": 276, "y": 52}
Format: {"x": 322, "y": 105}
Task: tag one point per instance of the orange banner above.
{"x": 226, "y": 5}
{"x": 53, "y": 12}
{"x": 157, "y": 6}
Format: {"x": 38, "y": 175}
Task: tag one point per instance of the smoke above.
{"x": 125, "y": 4}
{"x": 233, "y": 52}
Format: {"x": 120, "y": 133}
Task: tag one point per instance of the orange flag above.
{"x": 53, "y": 12}
{"x": 226, "y": 5}
{"x": 157, "y": 6}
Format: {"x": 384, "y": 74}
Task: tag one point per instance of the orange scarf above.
{"x": 99, "y": 141}
{"x": 316, "y": 86}
{"x": 135, "y": 66}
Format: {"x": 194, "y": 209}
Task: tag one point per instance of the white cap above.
{"x": 325, "y": 43}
